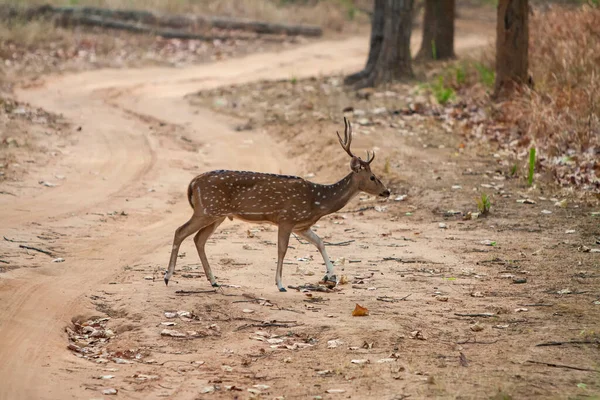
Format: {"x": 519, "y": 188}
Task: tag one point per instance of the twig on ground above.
{"x": 568, "y": 342}
{"x": 346, "y": 243}
{"x": 164, "y": 387}
{"x": 535, "y": 305}
{"x": 359, "y": 210}
{"x": 4, "y": 261}
{"x": 176, "y": 361}
{"x": 299, "y": 240}
{"x": 475, "y": 341}
{"x": 562, "y": 366}
{"x": 49, "y": 253}
{"x": 290, "y": 310}
{"x": 8, "y": 193}
{"x": 388, "y": 299}
{"x": 400, "y": 260}
{"x": 268, "y": 325}
{"x": 14, "y": 241}
{"x": 483, "y": 315}
{"x": 191, "y": 292}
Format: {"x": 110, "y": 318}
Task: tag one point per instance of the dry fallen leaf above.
{"x": 360, "y": 311}
{"x": 463, "y": 360}
{"x": 417, "y": 335}
{"x": 476, "y": 327}
{"x": 172, "y": 333}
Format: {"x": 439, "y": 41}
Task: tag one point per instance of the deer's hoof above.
{"x": 215, "y": 284}
{"x": 167, "y": 281}
{"x": 328, "y": 278}
{"x": 282, "y": 289}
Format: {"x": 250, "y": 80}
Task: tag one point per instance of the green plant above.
{"x": 487, "y": 76}
{"x": 293, "y": 80}
{"x": 513, "y": 170}
{"x": 351, "y": 9}
{"x": 387, "y": 168}
{"x": 460, "y": 74}
{"x": 442, "y": 93}
{"x": 531, "y": 166}
{"x": 483, "y": 204}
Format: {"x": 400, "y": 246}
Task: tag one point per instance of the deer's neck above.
{"x": 337, "y": 195}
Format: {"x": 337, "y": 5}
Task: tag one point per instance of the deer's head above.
{"x": 367, "y": 181}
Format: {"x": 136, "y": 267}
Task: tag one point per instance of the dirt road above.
{"x": 140, "y": 142}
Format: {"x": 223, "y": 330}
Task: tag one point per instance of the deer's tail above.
{"x": 189, "y": 193}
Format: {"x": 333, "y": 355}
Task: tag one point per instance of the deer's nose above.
{"x": 385, "y": 193}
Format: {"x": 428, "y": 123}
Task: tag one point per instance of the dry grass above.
{"x": 30, "y": 35}
{"x": 559, "y": 116}
{"x": 565, "y": 64}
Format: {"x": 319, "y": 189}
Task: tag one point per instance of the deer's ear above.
{"x": 355, "y": 164}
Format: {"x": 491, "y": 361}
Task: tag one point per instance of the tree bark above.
{"x": 438, "y": 30}
{"x": 389, "y": 54}
{"x": 512, "y": 46}
{"x": 375, "y": 43}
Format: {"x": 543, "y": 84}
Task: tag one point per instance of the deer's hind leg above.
{"x": 316, "y": 240}
{"x": 200, "y": 240}
{"x": 193, "y": 225}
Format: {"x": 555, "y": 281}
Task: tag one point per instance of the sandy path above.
{"x": 116, "y": 158}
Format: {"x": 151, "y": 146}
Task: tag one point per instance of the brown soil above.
{"x": 113, "y": 215}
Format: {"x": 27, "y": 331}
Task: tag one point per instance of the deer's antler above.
{"x": 347, "y": 137}
{"x": 348, "y": 140}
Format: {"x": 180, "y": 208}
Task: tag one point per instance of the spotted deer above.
{"x": 290, "y": 202}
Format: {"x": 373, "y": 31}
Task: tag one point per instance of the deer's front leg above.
{"x": 282, "y": 245}
{"x": 316, "y": 240}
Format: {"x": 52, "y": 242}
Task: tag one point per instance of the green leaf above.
{"x": 531, "y": 166}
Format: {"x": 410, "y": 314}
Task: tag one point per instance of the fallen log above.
{"x": 191, "y": 22}
{"x": 92, "y": 20}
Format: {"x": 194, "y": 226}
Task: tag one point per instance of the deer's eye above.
{"x": 372, "y": 177}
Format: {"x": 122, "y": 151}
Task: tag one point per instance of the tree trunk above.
{"x": 438, "y": 30}
{"x": 389, "y": 54}
{"x": 375, "y": 43}
{"x": 512, "y": 46}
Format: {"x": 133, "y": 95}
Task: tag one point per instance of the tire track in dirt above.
{"x": 117, "y": 155}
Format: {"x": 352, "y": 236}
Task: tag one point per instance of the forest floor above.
{"x": 94, "y": 173}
